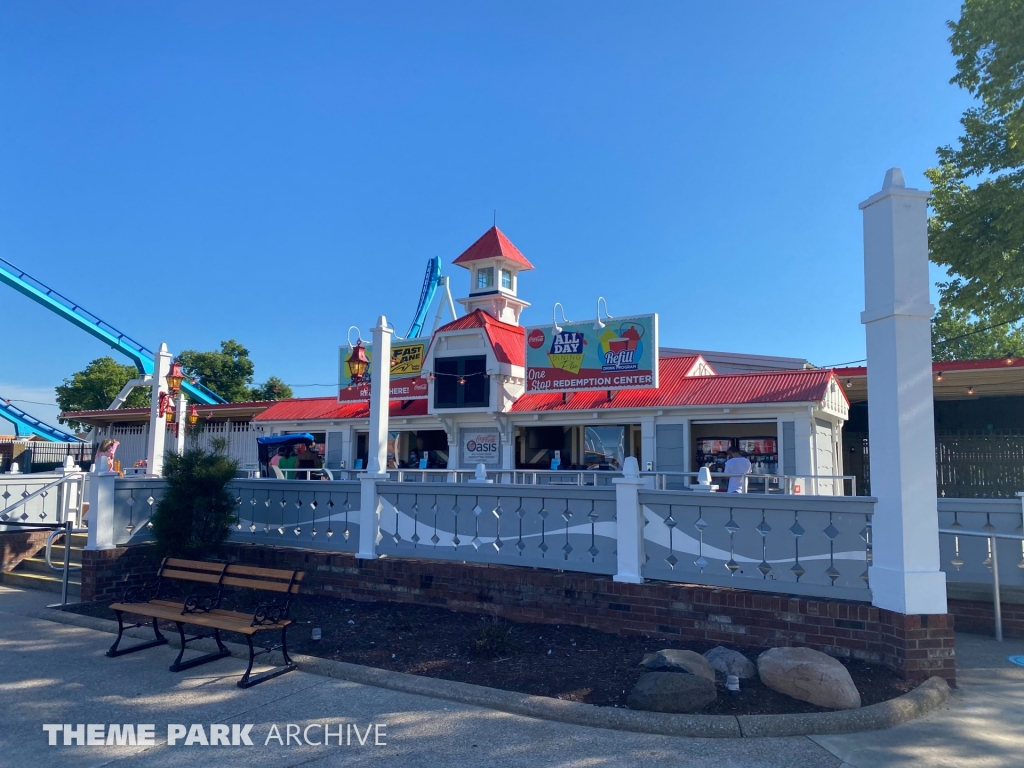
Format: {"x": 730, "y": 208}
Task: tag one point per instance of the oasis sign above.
{"x": 621, "y": 355}
{"x": 407, "y": 382}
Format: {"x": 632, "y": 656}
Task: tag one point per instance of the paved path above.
{"x": 56, "y": 673}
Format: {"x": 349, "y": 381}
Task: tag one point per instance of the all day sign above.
{"x": 622, "y": 355}
{"x": 407, "y": 381}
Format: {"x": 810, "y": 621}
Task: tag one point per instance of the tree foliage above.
{"x": 228, "y": 372}
{"x": 272, "y": 389}
{"x": 956, "y": 336}
{"x": 193, "y": 518}
{"x": 977, "y": 228}
{"x": 95, "y": 388}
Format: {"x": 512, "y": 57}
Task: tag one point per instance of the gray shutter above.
{"x": 789, "y": 448}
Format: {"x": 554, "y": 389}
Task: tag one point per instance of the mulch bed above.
{"x": 559, "y": 661}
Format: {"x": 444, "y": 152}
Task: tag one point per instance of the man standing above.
{"x": 737, "y": 466}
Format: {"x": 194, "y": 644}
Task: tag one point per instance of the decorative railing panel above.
{"x": 544, "y": 527}
{"x": 968, "y": 559}
{"x": 800, "y": 545}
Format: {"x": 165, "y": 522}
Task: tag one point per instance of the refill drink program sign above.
{"x": 622, "y": 355}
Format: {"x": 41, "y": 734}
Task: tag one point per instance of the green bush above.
{"x": 496, "y": 639}
{"x": 193, "y": 518}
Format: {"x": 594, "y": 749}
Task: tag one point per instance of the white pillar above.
{"x": 629, "y": 522}
{"x": 905, "y": 575}
{"x": 100, "y": 495}
{"x": 181, "y": 419}
{"x": 157, "y": 428}
{"x": 380, "y": 402}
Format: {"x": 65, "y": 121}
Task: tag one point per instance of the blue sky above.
{"x": 275, "y": 173}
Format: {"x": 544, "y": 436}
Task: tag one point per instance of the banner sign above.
{"x": 407, "y": 382}
{"x": 480, "y": 446}
{"x": 622, "y": 355}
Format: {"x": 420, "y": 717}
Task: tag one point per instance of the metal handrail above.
{"x": 992, "y": 536}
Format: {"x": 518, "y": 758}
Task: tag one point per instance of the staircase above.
{"x": 34, "y": 573}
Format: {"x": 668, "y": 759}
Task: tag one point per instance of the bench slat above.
{"x": 272, "y": 573}
{"x": 228, "y": 621}
{"x": 194, "y": 565}
{"x": 270, "y": 586}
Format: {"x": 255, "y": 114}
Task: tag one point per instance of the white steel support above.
{"x": 180, "y": 421}
{"x": 99, "y": 493}
{"x": 905, "y": 576}
{"x": 157, "y": 429}
{"x": 380, "y": 389}
{"x": 629, "y": 516}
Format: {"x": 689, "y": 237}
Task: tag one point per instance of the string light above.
{"x": 970, "y": 390}
{"x": 938, "y": 376}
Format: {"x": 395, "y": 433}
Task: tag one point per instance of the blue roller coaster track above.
{"x": 143, "y": 358}
{"x": 24, "y": 424}
{"x": 431, "y": 280}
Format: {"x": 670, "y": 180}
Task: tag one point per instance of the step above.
{"x": 40, "y": 582}
{"x": 38, "y": 564}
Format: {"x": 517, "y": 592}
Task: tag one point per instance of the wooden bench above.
{"x": 204, "y": 610}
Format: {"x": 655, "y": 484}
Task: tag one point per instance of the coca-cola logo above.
{"x": 536, "y": 338}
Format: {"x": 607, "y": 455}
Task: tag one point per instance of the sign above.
{"x": 622, "y": 355}
{"x": 407, "y": 382}
{"x": 480, "y": 446}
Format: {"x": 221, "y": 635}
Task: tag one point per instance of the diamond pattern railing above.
{"x": 802, "y": 545}
{"x": 565, "y": 528}
{"x": 967, "y": 559}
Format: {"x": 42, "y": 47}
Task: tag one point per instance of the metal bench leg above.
{"x": 114, "y": 651}
{"x": 179, "y": 665}
{"x": 289, "y": 665}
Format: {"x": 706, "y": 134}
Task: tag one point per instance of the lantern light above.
{"x": 358, "y": 363}
{"x": 174, "y": 377}
{"x": 938, "y": 376}
{"x": 193, "y": 415}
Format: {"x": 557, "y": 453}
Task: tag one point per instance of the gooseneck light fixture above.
{"x": 599, "y": 325}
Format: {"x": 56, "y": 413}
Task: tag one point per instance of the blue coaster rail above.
{"x": 24, "y": 424}
{"x": 431, "y": 280}
{"x": 61, "y": 305}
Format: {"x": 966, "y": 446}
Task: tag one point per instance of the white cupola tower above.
{"x": 494, "y": 265}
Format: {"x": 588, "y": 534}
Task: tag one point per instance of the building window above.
{"x": 485, "y": 278}
{"x": 506, "y": 280}
{"x": 461, "y": 382}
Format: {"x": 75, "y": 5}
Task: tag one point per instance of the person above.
{"x": 306, "y": 459}
{"x": 737, "y": 466}
{"x": 276, "y": 460}
{"x": 414, "y": 460}
{"x": 287, "y": 461}
{"x": 107, "y": 448}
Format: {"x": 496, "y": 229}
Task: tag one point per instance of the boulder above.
{"x": 726, "y": 661}
{"x": 808, "y": 675}
{"x": 674, "y": 660}
{"x": 671, "y": 692}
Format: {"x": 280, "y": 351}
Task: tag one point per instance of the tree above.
{"x": 955, "y": 336}
{"x": 228, "y": 372}
{"x": 977, "y": 228}
{"x": 272, "y": 389}
{"x": 95, "y": 388}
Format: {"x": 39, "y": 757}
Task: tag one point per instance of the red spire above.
{"x": 492, "y": 244}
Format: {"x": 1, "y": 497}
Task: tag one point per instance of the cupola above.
{"x": 494, "y": 265}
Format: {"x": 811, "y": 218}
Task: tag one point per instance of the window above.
{"x": 461, "y": 382}
{"x": 484, "y": 278}
{"x": 506, "y": 279}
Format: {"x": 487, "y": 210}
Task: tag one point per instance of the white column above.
{"x": 629, "y": 523}
{"x": 181, "y": 419}
{"x": 648, "y": 442}
{"x": 100, "y": 496}
{"x": 905, "y": 575}
{"x": 380, "y": 402}
{"x": 157, "y": 428}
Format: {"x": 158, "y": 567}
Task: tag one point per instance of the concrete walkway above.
{"x": 56, "y": 673}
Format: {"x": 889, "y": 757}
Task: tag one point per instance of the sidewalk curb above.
{"x": 923, "y": 699}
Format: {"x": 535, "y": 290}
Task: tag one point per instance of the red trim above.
{"x": 947, "y": 365}
{"x": 493, "y": 244}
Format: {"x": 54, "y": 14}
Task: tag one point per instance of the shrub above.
{"x": 494, "y": 640}
{"x": 193, "y": 518}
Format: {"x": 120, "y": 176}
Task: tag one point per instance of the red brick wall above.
{"x": 917, "y": 647}
{"x": 16, "y": 546}
{"x": 106, "y": 573}
{"x": 979, "y": 616}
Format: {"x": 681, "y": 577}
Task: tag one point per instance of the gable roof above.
{"x": 507, "y": 341}
{"x": 493, "y": 244}
{"x": 677, "y": 389}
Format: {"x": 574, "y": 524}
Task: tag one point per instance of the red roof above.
{"x": 330, "y": 408}
{"x": 949, "y": 365}
{"x": 676, "y": 388}
{"x": 492, "y": 244}
{"x": 201, "y": 408}
{"x": 507, "y": 341}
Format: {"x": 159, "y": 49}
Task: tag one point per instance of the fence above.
{"x": 134, "y": 440}
{"x": 41, "y": 456}
{"x": 986, "y": 464}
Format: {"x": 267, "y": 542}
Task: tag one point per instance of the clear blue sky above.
{"x": 276, "y": 172}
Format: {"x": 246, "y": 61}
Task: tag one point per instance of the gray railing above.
{"x": 41, "y": 498}
{"x": 309, "y": 515}
{"x": 540, "y": 526}
{"x": 809, "y": 545}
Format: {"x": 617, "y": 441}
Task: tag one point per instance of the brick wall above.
{"x": 979, "y": 616}
{"x": 917, "y": 647}
{"x": 16, "y": 546}
{"x": 105, "y": 573}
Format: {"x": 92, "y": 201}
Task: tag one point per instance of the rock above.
{"x": 808, "y": 675}
{"x": 674, "y": 660}
{"x": 671, "y": 692}
{"x": 726, "y": 661}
